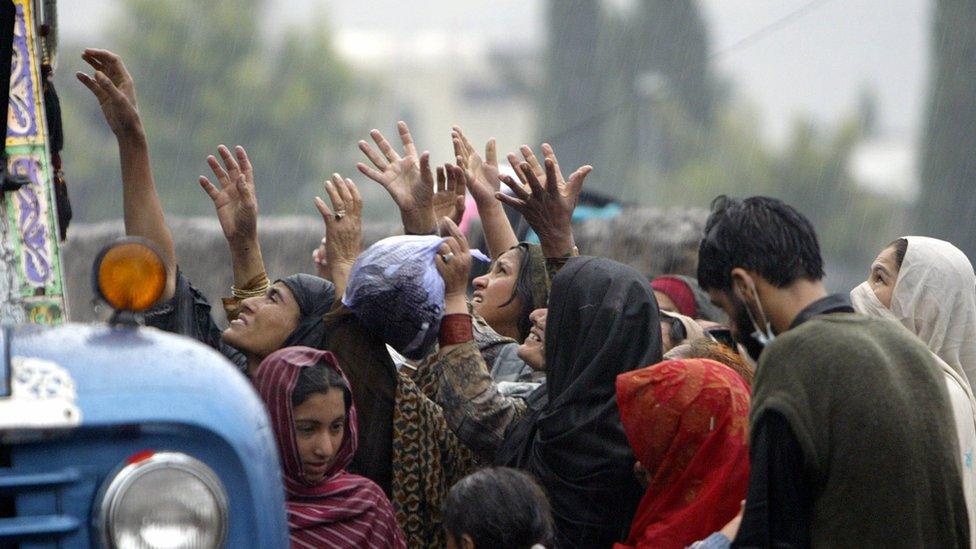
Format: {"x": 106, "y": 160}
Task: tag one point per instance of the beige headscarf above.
{"x": 935, "y": 298}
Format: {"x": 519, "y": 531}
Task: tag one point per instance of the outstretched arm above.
{"x": 481, "y": 176}
{"x": 143, "y": 214}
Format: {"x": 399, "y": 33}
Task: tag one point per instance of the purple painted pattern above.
{"x": 30, "y": 223}
{"x": 22, "y": 117}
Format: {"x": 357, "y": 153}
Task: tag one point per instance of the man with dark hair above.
{"x": 851, "y": 431}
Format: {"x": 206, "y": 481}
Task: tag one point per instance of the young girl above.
{"x": 310, "y": 405}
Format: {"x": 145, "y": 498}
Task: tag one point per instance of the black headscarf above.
{"x": 314, "y": 296}
{"x": 603, "y": 321}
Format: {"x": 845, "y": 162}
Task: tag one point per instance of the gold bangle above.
{"x": 244, "y": 294}
{"x": 256, "y": 287}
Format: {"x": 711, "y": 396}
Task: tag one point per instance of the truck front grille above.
{"x": 41, "y": 492}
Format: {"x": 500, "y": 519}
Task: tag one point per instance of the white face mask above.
{"x": 764, "y": 335}
{"x": 866, "y": 302}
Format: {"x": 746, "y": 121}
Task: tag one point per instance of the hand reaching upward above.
{"x": 547, "y": 205}
{"x": 407, "y": 178}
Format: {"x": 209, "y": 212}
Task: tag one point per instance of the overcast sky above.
{"x": 816, "y": 62}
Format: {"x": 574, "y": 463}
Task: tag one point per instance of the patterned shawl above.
{"x": 687, "y": 421}
{"x": 428, "y": 458}
{"x": 343, "y": 510}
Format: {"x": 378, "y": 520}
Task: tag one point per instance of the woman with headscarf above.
{"x": 310, "y": 405}
{"x": 929, "y": 287}
{"x": 515, "y": 285}
{"x": 687, "y": 421}
{"x": 263, "y": 316}
{"x": 602, "y": 321}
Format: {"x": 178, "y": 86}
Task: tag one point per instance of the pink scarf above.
{"x": 342, "y": 510}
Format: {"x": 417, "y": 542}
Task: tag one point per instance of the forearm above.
{"x": 247, "y": 261}
{"x": 499, "y": 235}
{"x": 142, "y": 210}
{"x": 340, "y": 277}
{"x": 473, "y": 407}
{"x": 557, "y": 243}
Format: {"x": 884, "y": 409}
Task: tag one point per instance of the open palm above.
{"x": 234, "y": 201}
{"x": 407, "y": 178}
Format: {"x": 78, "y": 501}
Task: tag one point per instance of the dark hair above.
{"x": 523, "y": 291}
{"x": 760, "y": 234}
{"x": 320, "y": 378}
{"x": 499, "y": 507}
{"x": 901, "y": 248}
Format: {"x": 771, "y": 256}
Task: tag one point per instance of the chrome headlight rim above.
{"x": 130, "y": 471}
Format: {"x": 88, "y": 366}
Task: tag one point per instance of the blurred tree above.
{"x": 672, "y": 41}
{"x": 205, "y": 76}
{"x": 618, "y": 83}
{"x": 571, "y": 97}
{"x": 947, "y": 202}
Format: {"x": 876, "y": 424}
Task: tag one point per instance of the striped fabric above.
{"x": 343, "y": 510}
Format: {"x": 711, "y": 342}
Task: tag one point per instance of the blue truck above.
{"x": 118, "y": 435}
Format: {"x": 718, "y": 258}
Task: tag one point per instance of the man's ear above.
{"x": 743, "y": 284}
{"x": 467, "y": 542}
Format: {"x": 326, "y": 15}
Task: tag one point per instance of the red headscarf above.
{"x": 687, "y": 421}
{"x": 342, "y": 509}
{"x": 679, "y": 292}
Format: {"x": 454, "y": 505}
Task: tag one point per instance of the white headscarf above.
{"x": 935, "y": 298}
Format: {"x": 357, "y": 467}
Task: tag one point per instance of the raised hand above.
{"x": 407, "y": 178}
{"x": 547, "y": 206}
{"x": 482, "y": 175}
{"x": 450, "y": 193}
{"x": 343, "y": 240}
{"x": 235, "y": 202}
{"x": 453, "y": 262}
{"x": 115, "y": 90}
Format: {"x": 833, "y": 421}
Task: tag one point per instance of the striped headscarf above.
{"x": 342, "y": 509}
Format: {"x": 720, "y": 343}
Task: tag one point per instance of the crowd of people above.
{"x": 564, "y": 400}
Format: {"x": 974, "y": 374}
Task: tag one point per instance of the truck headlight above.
{"x": 163, "y": 500}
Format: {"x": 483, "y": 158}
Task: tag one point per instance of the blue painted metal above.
{"x": 24, "y": 529}
{"x": 143, "y": 389}
{"x": 13, "y": 483}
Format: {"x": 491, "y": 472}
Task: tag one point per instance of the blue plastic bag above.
{"x": 396, "y": 292}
